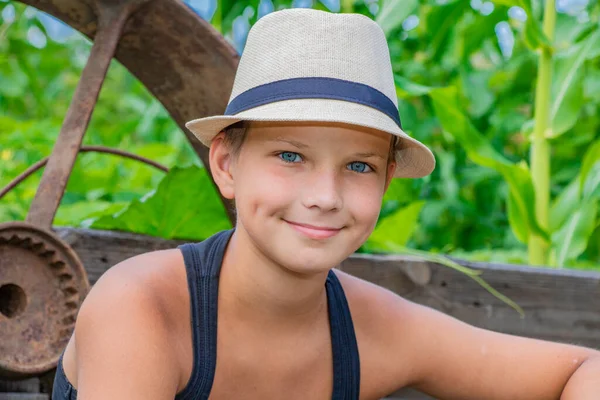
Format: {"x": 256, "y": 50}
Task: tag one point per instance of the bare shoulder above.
{"x": 381, "y": 322}
{"x": 144, "y": 284}
{"x": 125, "y": 322}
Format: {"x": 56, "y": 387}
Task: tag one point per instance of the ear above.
{"x": 391, "y": 169}
{"x": 221, "y": 160}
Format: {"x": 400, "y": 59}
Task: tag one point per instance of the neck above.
{"x": 263, "y": 293}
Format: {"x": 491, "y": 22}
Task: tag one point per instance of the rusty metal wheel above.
{"x": 41, "y": 286}
{"x": 189, "y": 68}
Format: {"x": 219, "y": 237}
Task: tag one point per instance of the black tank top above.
{"x": 203, "y": 263}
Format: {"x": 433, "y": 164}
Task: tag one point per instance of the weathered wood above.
{"x": 31, "y": 385}
{"x": 408, "y": 394}
{"x": 24, "y": 396}
{"x": 559, "y": 305}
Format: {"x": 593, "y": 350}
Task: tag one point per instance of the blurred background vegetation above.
{"x": 469, "y": 86}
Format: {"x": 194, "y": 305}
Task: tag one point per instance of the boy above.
{"x": 307, "y": 147}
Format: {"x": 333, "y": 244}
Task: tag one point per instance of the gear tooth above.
{"x": 26, "y": 243}
{"x": 70, "y": 291}
{"x": 46, "y": 253}
{"x": 69, "y": 319}
{"x": 65, "y": 332}
{"x": 72, "y": 304}
{"x": 65, "y": 277}
{"x": 57, "y": 264}
{"x": 37, "y": 247}
{"x": 14, "y": 239}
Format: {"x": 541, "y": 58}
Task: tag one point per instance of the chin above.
{"x": 307, "y": 256}
{"x": 310, "y": 264}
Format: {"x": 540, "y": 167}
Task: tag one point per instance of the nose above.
{"x": 323, "y": 191}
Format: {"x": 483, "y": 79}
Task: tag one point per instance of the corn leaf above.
{"x": 479, "y": 150}
{"x": 397, "y": 228}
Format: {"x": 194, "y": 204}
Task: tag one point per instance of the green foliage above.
{"x": 482, "y": 102}
{"x": 459, "y": 92}
{"x": 35, "y": 91}
{"x": 182, "y": 207}
{"x": 396, "y": 228}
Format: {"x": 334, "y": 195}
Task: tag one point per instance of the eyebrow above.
{"x": 301, "y": 145}
{"x": 369, "y": 155}
{"x": 294, "y": 143}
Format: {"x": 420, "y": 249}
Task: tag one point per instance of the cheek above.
{"x": 364, "y": 201}
{"x": 265, "y": 189}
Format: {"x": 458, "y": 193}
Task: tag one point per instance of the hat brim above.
{"x": 414, "y": 159}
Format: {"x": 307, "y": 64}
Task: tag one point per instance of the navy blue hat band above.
{"x": 314, "y": 87}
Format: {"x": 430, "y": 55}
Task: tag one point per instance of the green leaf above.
{"x": 185, "y": 206}
{"x": 567, "y": 86}
{"x": 400, "y": 190}
{"x": 76, "y": 213}
{"x": 441, "y": 23}
{"x": 476, "y": 88}
{"x": 591, "y": 187}
{"x": 569, "y": 30}
{"x": 406, "y": 88}
{"x": 517, "y": 220}
{"x": 533, "y": 35}
{"x": 591, "y": 158}
{"x": 595, "y": 49}
{"x": 571, "y": 240}
{"x": 479, "y": 150}
{"x": 14, "y": 80}
{"x": 397, "y": 228}
{"x": 392, "y": 14}
{"x": 565, "y": 204}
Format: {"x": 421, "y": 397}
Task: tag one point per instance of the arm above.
{"x": 584, "y": 384}
{"x": 452, "y": 359}
{"x": 121, "y": 340}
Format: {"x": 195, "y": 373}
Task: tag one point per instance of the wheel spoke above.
{"x": 112, "y": 18}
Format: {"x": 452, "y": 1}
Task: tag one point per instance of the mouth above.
{"x": 313, "y": 231}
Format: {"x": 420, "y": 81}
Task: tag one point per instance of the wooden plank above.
{"x": 30, "y": 385}
{"x": 559, "y": 305}
{"x": 408, "y": 394}
{"x": 24, "y": 396}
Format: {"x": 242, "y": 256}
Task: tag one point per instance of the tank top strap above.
{"x": 203, "y": 263}
{"x": 346, "y": 361}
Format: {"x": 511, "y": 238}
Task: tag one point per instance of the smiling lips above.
{"x": 315, "y": 232}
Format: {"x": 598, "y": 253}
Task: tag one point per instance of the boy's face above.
{"x": 307, "y": 194}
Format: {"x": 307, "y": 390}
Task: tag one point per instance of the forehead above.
{"x": 310, "y": 131}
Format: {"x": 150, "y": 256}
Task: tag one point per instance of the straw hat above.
{"x": 308, "y": 65}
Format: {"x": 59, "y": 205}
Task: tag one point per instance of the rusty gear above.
{"x": 42, "y": 285}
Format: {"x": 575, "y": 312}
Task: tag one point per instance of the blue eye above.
{"x": 359, "y": 167}
{"x": 290, "y": 157}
